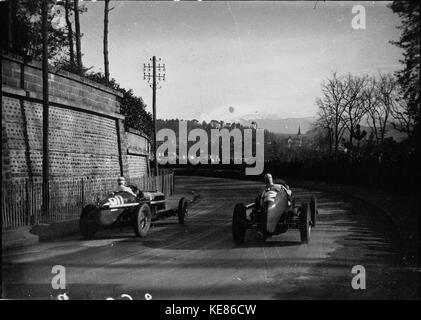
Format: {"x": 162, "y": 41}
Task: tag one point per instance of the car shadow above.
{"x": 268, "y": 244}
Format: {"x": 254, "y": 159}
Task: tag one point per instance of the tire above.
{"x": 292, "y": 202}
{"x": 142, "y": 220}
{"x": 257, "y": 201}
{"x": 305, "y": 223}
{"x": 313, "y": 210}
{"x": 182, "y": 210}
{"x": 87, "y": 224}
{"x": 238, "y": 223}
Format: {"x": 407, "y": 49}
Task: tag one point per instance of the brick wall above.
{"x": 138, "y": 148}
{"x": 86, "y": 134}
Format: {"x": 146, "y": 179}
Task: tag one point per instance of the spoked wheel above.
{"x": 239, "y": 223}
{"x": 313, "y": 210}
{"x": 305, "y": 223}
{"x": 182, "y": 210}
{"x": 87, "y": 224}
{"x": 142, "y": 220}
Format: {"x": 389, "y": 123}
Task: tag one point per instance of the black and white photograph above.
{"x": 230, "y": 151}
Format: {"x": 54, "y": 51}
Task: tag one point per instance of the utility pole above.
{"x": 154, "y": 113}
{"x": 45, "y": 107}
{"x": 153, "y": 79}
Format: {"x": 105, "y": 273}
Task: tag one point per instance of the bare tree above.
{"x": 324, "y": 122}
{"x": 354, "y": 103}
{"x": 375, "y": 115}
{"x": 379, "y": 104}
{"x": 333, "y": 103}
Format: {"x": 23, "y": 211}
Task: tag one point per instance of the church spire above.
{"x": 299, "y": 130}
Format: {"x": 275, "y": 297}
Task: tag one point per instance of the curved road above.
{"x": 200, "y": 261}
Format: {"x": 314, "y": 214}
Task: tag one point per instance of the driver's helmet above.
{"x": 121, "y": 181}
{"x": 268, "y": 179}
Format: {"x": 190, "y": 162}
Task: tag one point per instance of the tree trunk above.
{"x": 351, "y": 137}
{"x": 106, "y": 63}
{"x": 45, "y": 112}
{"x": 10, "y": 26}
{"x": 336, "y": 136}
{"x": 77, "y": 27}
{"x": 69, "y": 32}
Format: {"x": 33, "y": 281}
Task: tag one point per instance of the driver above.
{"x": 122, "y": 186}
{"x": 276, "y": 187}
{"x": 269, "y": 183}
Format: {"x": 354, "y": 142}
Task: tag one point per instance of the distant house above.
{"x": 296, "y": 141}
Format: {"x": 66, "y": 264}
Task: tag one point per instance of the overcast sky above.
{"x": 265, "y": 57}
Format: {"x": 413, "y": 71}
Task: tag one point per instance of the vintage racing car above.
{"x": 274, "y": 212}
{"x": 124, "y": 208}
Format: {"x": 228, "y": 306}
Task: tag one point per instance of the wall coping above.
{"x": 138, "y": 133}
{"x": 57, "y": 101}
{"x": 65, "y": 74}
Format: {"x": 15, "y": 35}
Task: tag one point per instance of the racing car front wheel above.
{"x": 87, "y": 222}
{"x": 305, "y": 223}
{"x": 182, "y": 210}
{"x": 238, "y": 223}
{"x": 142, "y": 220}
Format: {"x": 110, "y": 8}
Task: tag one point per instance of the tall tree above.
{"x": 68, "y": 8}
{"x": 324, "y": 122}
{"x": 25, "y": 30}
{"x": 409, "y": 77}
{"x": 77, "y": 29}
{"x": 405, "y": 119}
{"x": 333, "y": 104}
{"x": 106, "y": 62}
{"x": 10, "y": 17}
{"x": 379, "y": 95}
{"x": 376, "y": 116}
{"x": 354, "y": 106}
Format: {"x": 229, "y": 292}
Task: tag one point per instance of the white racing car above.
{"x": 122, "y": 207}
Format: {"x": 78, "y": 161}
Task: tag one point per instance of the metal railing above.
{"x": 21, "y": 200}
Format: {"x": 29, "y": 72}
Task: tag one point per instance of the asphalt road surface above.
{"x": 199, "y": 260}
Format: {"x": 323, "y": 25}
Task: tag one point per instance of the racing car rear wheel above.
{"x": 238, "y": 223}
{"x": 142, "y": 220}
{"x": 182, "y": 210}
{"x": 292, "y": 202}
{"x": 305, "y": 223}
{"x": 313, "y": 210}
{"x": 87, "y": 223}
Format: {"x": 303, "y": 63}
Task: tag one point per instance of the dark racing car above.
{"x": 121, "y": 208}
{"x": 274, "y": 212}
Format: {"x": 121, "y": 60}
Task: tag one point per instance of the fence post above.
{"x": 172, "y": 183}
{"x": 83, "y": 192}
{"x": 28, "y": 203}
